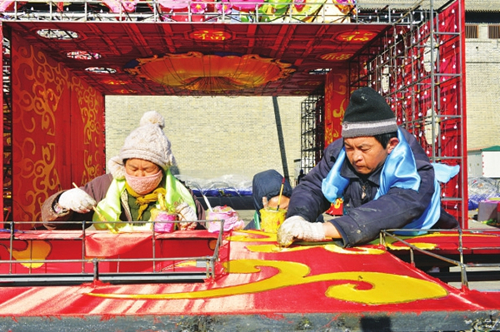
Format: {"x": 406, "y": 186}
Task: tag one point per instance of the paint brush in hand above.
{"x": 281, "y": 193}
{"x": 101, "y": 217}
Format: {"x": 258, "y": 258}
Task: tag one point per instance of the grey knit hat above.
{"x": 368, "y": 114}
{"x": 149, "y": 142}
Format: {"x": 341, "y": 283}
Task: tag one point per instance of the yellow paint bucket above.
{"x": 271, "y": 219}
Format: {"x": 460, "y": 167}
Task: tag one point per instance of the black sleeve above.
{"x": 307, "y": 198}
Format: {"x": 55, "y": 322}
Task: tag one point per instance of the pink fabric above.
{"x": 116, "y": 5}
{"x": 173, "y": 4}
{"x": 246, "y": 5}
{"x": 4, "y": 5}
{"x": 231, "y": 219}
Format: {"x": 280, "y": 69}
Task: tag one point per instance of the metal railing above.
{"x": 16, "y": 271}
{"x": 183, "y": 11}
{"x": 199, "y": 11}
{"x": 459, "y": 263}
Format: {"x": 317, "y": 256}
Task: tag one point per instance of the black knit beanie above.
{"x": 368, "y": 114}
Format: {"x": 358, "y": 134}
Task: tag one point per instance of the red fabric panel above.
{"x": 336, "y": 101}
{"x": 414, "y": 103}
{"x": 58, "y": 130}
{"x": 295, "y": 280}
{"x": 63, "y": 252}
{"x": 106, "y": 244}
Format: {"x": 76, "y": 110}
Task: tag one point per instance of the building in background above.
{"x": 220, "y": 136}
{"x": 214, "y": 137}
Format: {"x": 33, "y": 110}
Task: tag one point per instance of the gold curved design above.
{"x": 247, "y": 236}
{"x": 274, "y": 248}
{"x": 45, "y": 91}
{"x": 371, "y": 288}
{"x": 211, "y": 73}
{"x": 39, "y": 101}
{"x": 252, "y": 236}
{"x": 35, "y": 251}
{"x": 90, "y": 107}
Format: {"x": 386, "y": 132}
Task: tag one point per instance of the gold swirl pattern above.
{"x": 370, "y": 288}
{"x": 395, "y": 245}
{"x": 340, "y": 91}
{"x": 258, "y": 236}
{"x": 35, "y": 251}
{"x": 273, "y": 248}
{"x": 252, "y": 236}
{"x": 40, "y": 87}
{"x": 335, "y": 104}
{"x": 329, "y": 130}
{"x": 42, "y": 125}
{"x": 90, "y": 108}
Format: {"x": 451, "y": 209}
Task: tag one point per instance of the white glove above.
{"x": 297, "y": 228}
{"x": 77, "y": 200}
{"x": 186, "y": 213}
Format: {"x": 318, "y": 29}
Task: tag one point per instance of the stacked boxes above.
{"x": 489, "y": 209}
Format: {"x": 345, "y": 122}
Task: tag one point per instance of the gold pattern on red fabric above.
{"x": 34, "y": 156}
{"x": 336, "y": 100}
{"x": 211, "y": 35}
{"x": 211, "y": 73}
{"x": 57, "y": 130}
{"x": 356, "y": 36}
{"x": 91, "y": 112}
{"x": 336, "y": 56}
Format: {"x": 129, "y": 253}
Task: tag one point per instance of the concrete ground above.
{"x": 246, "y": 215}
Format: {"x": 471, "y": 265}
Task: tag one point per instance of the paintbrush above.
{"x": 281, "y": 193}
{"x": 101, "y": 217}
{"x": 207, "y": 202}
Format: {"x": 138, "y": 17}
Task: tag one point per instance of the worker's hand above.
{"x": 188, "y": 215}
{"x": 77, "y": 200}
{"x": 297, "y": 228}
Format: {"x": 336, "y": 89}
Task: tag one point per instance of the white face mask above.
{"x": 144, "y": 184}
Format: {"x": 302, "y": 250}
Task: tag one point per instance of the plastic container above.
{"x": 163, "y": 221}
{"x": 231, "y": 219}
{"x": 271, "y": 219}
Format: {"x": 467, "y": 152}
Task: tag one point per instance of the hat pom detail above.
{"x": 148, "y": 142}
{"x": 152, "y": 117}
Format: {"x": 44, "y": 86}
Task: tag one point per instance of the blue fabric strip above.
{"x": 399, "y": 171}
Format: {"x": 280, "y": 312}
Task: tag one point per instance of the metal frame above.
{"x": 151, "y": 11}
{"x": 31, "y": 279}
{"x": 437, "y": 131}
{"x": 312, "y": 131}
{"x": 6, "y": 130}
{"x": 380, "y": 65}
{"x": 464, "y": 276}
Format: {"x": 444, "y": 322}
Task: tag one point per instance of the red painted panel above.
{"x": 336, "y": 100}
{"x": 58, "y": 130}
{"x": 264, "y": 279}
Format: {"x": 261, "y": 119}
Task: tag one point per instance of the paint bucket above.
{"x": 231, "y": 219}
{"x": 164, "y": 221}
{"x": 271, "y": 219}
